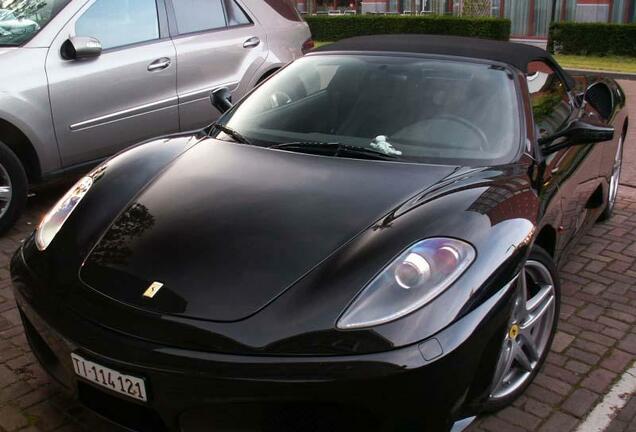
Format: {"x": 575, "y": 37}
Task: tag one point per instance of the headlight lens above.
{"x": 412, "y": 280}
{"x": 56, "y": 217}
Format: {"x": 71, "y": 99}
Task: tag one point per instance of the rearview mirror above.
{"x": 578, "y": 132}
{"x": 77, "y": 48}
{"x": 221, "y": 99}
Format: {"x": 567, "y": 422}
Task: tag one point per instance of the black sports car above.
{"x": 369, "y": 240}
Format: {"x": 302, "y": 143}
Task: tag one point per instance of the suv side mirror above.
{"x": 221, "y": 99}
{"x": 77, "y": 48}
{"x": 578, "y": 132}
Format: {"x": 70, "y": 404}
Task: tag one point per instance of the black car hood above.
{"x": 226, "y": 228}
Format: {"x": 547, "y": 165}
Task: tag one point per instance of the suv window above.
{"x": 549, "y": 97}
{"x": 117, "y": 23}
{"x": 198, "y": 15}
{"x": 21, "y": 20}
{"x": 235, "y": 15}
{"x": 201, "y": 15}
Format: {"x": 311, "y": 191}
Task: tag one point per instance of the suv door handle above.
{"x": 251, "y": 42}
{"x": 159, "y": 64}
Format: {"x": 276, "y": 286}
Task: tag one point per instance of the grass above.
{"x": 318, "y": 44}
{"x": 608, "y": 63}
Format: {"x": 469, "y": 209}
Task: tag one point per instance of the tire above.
{"x": 610, "y": 200}
{"x": 500, "y": 394}
{"x": 14, "y": 187}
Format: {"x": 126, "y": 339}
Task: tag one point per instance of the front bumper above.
{"x": 425, "y": 385}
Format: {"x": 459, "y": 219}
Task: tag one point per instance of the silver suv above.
{"x": 83, "y": 79}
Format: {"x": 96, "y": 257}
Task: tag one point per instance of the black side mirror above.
{"x": 77, "y": 48}
{"x": 221, "y": 99}
{"x": 578, "y": 132}
{"x": 599, "y": 96}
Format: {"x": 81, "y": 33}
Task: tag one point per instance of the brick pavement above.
{"x": 595, "y": 343}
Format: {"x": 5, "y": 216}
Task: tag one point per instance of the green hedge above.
{"x": 333, "y": 28}
{"x": 593, "y": 38}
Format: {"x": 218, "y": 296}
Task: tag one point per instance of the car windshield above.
{"x": 20, "y": 20}
{"x": 418, "y": 109}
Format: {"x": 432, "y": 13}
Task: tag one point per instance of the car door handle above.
{"x": 159, "y": 64}
{"x": 251, "y": 42}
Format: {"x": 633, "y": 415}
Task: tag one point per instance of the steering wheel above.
{"x": 280, "y": 98}
{"x": 469, "y": 125}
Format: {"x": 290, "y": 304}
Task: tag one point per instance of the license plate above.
{"x": 111, "y": 379}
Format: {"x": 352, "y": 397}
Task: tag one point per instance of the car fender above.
{"x": 116, "y": 182}
{"x": 24, "y": 102}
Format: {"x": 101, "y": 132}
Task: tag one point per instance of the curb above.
{"x": 609, "y": 74}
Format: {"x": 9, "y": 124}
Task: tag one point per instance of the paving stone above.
{"x": 559, "y": 422}
{"x": 12, "y": 419}
{"x": 580, "y": 402}
{"x": 517, "y": 417}
{"x": 537, "y": 408}
{"x": 617, "y": 361}
{"x": 46, "y": 417}
{"x": 557, "y": 386}
{"x": 628, "y": 343}
{"x": 598, "y": 380}
{"x": 561, "y": 341}
{"x": 495, "y": 424}
{"x": 583, "y": 356}
{"x": 7, "y": 376}
{"x": 577, "y": 366}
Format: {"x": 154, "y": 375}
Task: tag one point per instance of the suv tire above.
{"x": 14, "y": 187}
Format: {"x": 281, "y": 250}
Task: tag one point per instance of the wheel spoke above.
{"x": 540, "y": 298}
{"x": 5, "y": 193}
{"x": 505, "y": 362}
{"x": 522, "y": 358}
{"x": 522, "y": 312}
{"x": 536, "y": 317}
{"x": 529, "y": 343}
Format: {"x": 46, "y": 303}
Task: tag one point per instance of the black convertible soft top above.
{"x": 514, "y": 54}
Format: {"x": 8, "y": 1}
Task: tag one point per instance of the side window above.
{"x": 198, "y": 15}
{"x": 309, "y": 82}
{"x": 235, "y": 15}
{"x": 549, "y": 98}
{"x": 117, "y": 23}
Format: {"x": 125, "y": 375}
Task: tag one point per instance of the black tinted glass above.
{"x": 119, "y": 22}
{"x": 549, "y": 97}
{"x": 198, "y": 15}
{"x": 421, "y": 109}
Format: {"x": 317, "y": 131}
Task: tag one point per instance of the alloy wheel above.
{"x": 6, "y": 190}
{"x": 529, "y": 332}
{"x": 616, "y": 174}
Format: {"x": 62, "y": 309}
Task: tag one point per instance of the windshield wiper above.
{"x": 231, "y": 132}
{"x": 334, "y": 149}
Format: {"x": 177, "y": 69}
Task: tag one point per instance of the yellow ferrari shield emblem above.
{"x": 514, "y": 331}
{"x": 153, "y": 289}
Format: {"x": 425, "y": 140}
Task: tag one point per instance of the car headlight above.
{"x": 412, "y": 280}
{"x": 55, "y": 218}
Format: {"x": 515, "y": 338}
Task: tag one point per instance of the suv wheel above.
{"x": 13, "y": 188}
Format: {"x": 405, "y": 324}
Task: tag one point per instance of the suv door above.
{"x": 218, "y": 45}
{"x": 127, "y": 94}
